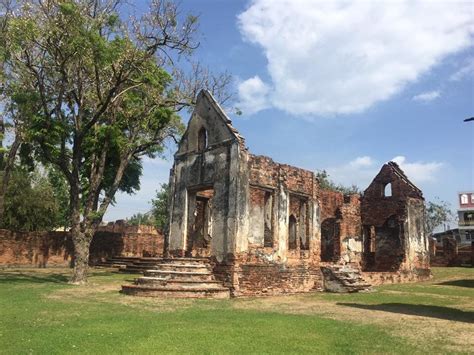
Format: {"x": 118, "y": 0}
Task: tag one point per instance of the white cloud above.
{"x": 361, "y": 162}
{"x": 466, "y": 70}
{"x": 362, "y": 170}
{"x": 253, "y": 95}
{"x": 427, "y": 96}
{"x": 419, "y": 172}
{"x": 329, "y": 57}
{"x": 359, "y": 171}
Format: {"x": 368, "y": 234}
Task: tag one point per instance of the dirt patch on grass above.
{"x": 444, "y": 325}
{"x": 432, "y": 333}
{"x": 109, "y": 293}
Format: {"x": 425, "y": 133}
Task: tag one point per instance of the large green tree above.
{"x": 31, "y": 203}
{"x": 92, "y": 94}
{"x": 436, "y": 214}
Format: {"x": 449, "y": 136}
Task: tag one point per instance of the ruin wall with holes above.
{"x": 341, "y": 232}
{"x": 394, "y": 241}
{"x": 268, "y": 227}
{"x": 281, "y": 251}
{"x": 258, "y": 220}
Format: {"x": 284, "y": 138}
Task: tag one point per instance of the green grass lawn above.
{"x": 41, "y": 313}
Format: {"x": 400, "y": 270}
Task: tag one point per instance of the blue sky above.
{"x": 343, "y": 87}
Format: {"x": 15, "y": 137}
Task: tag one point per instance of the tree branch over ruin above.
{"x": 97, "y": 93}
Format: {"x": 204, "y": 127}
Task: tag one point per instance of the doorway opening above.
{"x": 199, "y": 236}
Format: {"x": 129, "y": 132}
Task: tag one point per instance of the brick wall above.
{"x": 341, "y": 236}
{"x": 265, "y": 279}
{"x": 265, "y": 172}
{"x": 43, "y": 249}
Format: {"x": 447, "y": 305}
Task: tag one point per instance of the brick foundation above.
{"x": 260, "y": 279}
{"x": 386, "y": 278}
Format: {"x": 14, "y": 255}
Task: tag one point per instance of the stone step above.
{"x": 123, "y": 259}
{"x": 106, "y": 265}
{"x": 184, "y": 261}
{"x": 140, "y": 290}
{"x": 204, "y": 276}
{"x": 144, "y": 264}
{"x": 111, "y": 262}
{"x": 183, "y": 267}
{"x": 173, "y": 283}
{"x": 175, "y": 277}
{"x": 151, "y": 258}
{"x": 133, "y": 269}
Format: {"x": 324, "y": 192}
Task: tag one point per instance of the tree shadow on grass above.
{"x": 15, "y": 278}
{"x": 418, "y": 310}
{"x": 460, "y": 283}
{"x": 31, "y": 277}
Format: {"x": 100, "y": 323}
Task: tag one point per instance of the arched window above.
{"x": 292, "y": 233}
{"x": 202, "y": 139}
{"x": 464, "y": 199}
{"x": 387, "y": 191}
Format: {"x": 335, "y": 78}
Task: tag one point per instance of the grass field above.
{"x": 41, "y": 314}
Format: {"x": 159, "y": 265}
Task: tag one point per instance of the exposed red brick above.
{"x": 42, "y": 249}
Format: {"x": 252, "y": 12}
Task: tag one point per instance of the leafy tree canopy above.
{"x": 158, "y": 215}
{"x": 141, "y": 219}
{"x": 160, "y": 207}
{"x": 92, "y": 94}
{"x": 327, "y": 184}
{"x": 436, "y": 214}
{"x": 31, "y": 203}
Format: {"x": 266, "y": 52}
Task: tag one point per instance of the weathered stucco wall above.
{"x": 264, "y": 221}
{"x": 291, "y": 195}
{"x": 211, "y": 156}
{"x": 417, "y": 251}
{"x": 282, "y": 245}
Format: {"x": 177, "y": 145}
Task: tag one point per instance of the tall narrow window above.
{"x": 292, "y": 233}
{"x": 372, "y": 237}
{"x": 388, "y": 190}
{"x": 202, "y": 139}
{"x": 267, "y": 220}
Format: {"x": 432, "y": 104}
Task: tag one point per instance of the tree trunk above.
{"x": 82, "y": 240}
{"x": 8, "y": 167}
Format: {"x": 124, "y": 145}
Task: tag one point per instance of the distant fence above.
{"x": 43, "y": 249}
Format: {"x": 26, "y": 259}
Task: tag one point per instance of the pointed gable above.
{"x": 391, "y": 174}
{"x": 208, "y": 126}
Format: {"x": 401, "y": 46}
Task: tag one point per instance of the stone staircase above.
{"x": 178, "y": 278}
{"x": 343, "y": 278}
{"x": 131, "y": 265}
{"x": 117, "y": 262}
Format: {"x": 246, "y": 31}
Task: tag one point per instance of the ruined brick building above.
{"x": 269, "y": 227}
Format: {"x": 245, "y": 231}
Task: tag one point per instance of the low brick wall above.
{"x": 49, "y": 249}
{"x": 450, "y": 253}
{"x": 39, "y": 249}
{"x": 268, "y": 279}
{"x": 383, "y": 278}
